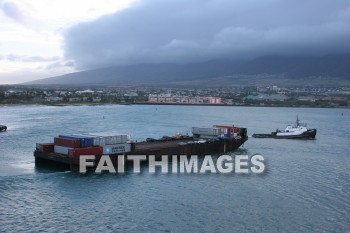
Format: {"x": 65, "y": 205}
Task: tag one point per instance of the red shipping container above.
{"x": 232, "y": 128}
{"x": 67, "y": 142}
{"x": 86, "y": 151}
{"x": 45, "y": 147}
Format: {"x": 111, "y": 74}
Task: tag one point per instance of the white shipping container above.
{"x": 98, "y": 141}
{"x": 117, "y": 139}
{"x": 110, "y": 140}
{"x": 101, "y": 139}
{"x": 125, "y": 138}
{"x": 208, "y": 136}
{"x": 62, "y": 149}
{"x": 206, "y": 131}
{"x": 116, "y": 149}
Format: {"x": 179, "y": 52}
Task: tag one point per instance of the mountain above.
{"x": 305, "y": 70}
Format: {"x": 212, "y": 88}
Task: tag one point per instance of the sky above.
{"x": 42, "y": 38}
{"x": 31, "y": 35}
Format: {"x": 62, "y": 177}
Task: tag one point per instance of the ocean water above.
{"x": 306, "y": 187}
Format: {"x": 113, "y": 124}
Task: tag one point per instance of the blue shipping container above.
{"x": 84, "y": 141}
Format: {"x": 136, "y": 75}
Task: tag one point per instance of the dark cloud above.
{"x": 194, "y": 30}
{"x": 22, "y": 58}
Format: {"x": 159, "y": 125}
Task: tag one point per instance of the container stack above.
{"x": 229, "y": 131}
{"x": 92, "y": 144}
{"x": 112, "y": 144}
{"x": 75, "y": 145}
{"x": 215, "y": 132}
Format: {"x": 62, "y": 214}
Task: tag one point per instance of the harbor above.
{"x": 295, "y": 172}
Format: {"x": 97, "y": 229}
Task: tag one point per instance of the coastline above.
{"x": 173, "y": 104}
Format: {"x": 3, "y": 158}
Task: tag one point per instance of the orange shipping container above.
{"x": 67, "y": 142}
{"x": 45, "y": 147}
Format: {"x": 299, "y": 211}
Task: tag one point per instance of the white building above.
{"x": 168, "y": 98}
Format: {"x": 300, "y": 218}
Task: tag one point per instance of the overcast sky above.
{"x": 45, "y": 38}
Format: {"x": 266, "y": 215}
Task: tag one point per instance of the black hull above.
{"x": 310, "y": 134}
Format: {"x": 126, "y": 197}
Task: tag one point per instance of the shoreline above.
{"x": 169, "y": 104}
{"x": 244, "y": 105}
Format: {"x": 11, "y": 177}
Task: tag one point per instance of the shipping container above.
{"x": 86, "y": 151}
{"x": 117, "y": 149}
{"x": 86, "y": 137}
{"x": 85, "y": 141}
{"x": 206, "y": 131}
{"x": 96, "y": 140}
{"x": 230, "y": 129}
{"x": 102, "y": 139}
{"x": 62, "y": 150}
{"x": 45, "y": 147}
{"x": 224, "y": 126}
{"x": 67, "y": 142}
{"x": 212, "y": 137}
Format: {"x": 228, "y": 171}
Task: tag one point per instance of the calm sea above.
{"x": 306, "y": 186}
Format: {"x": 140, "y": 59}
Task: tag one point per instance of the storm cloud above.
{"x": 157, "y": 31}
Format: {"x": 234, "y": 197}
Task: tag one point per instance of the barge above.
{"x": 67, "y": 149}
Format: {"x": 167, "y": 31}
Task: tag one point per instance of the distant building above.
{"x": 74, "y": 99}
{"x": 96, "y": 99}
{"x": 88, "y": 91}
{"x": 275, "y": 88}
{"x": 168, "y": 98}
{"x": 9, "y": 92}
{"x": 54, "y": 98}
{"x": 307, "y": 98}
{"x": 274, "y": 97}
{"x": 131, "y": 94}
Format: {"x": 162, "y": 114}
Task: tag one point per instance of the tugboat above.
{"x": 297, "y": 131}
{"x": 3, "y": 128}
